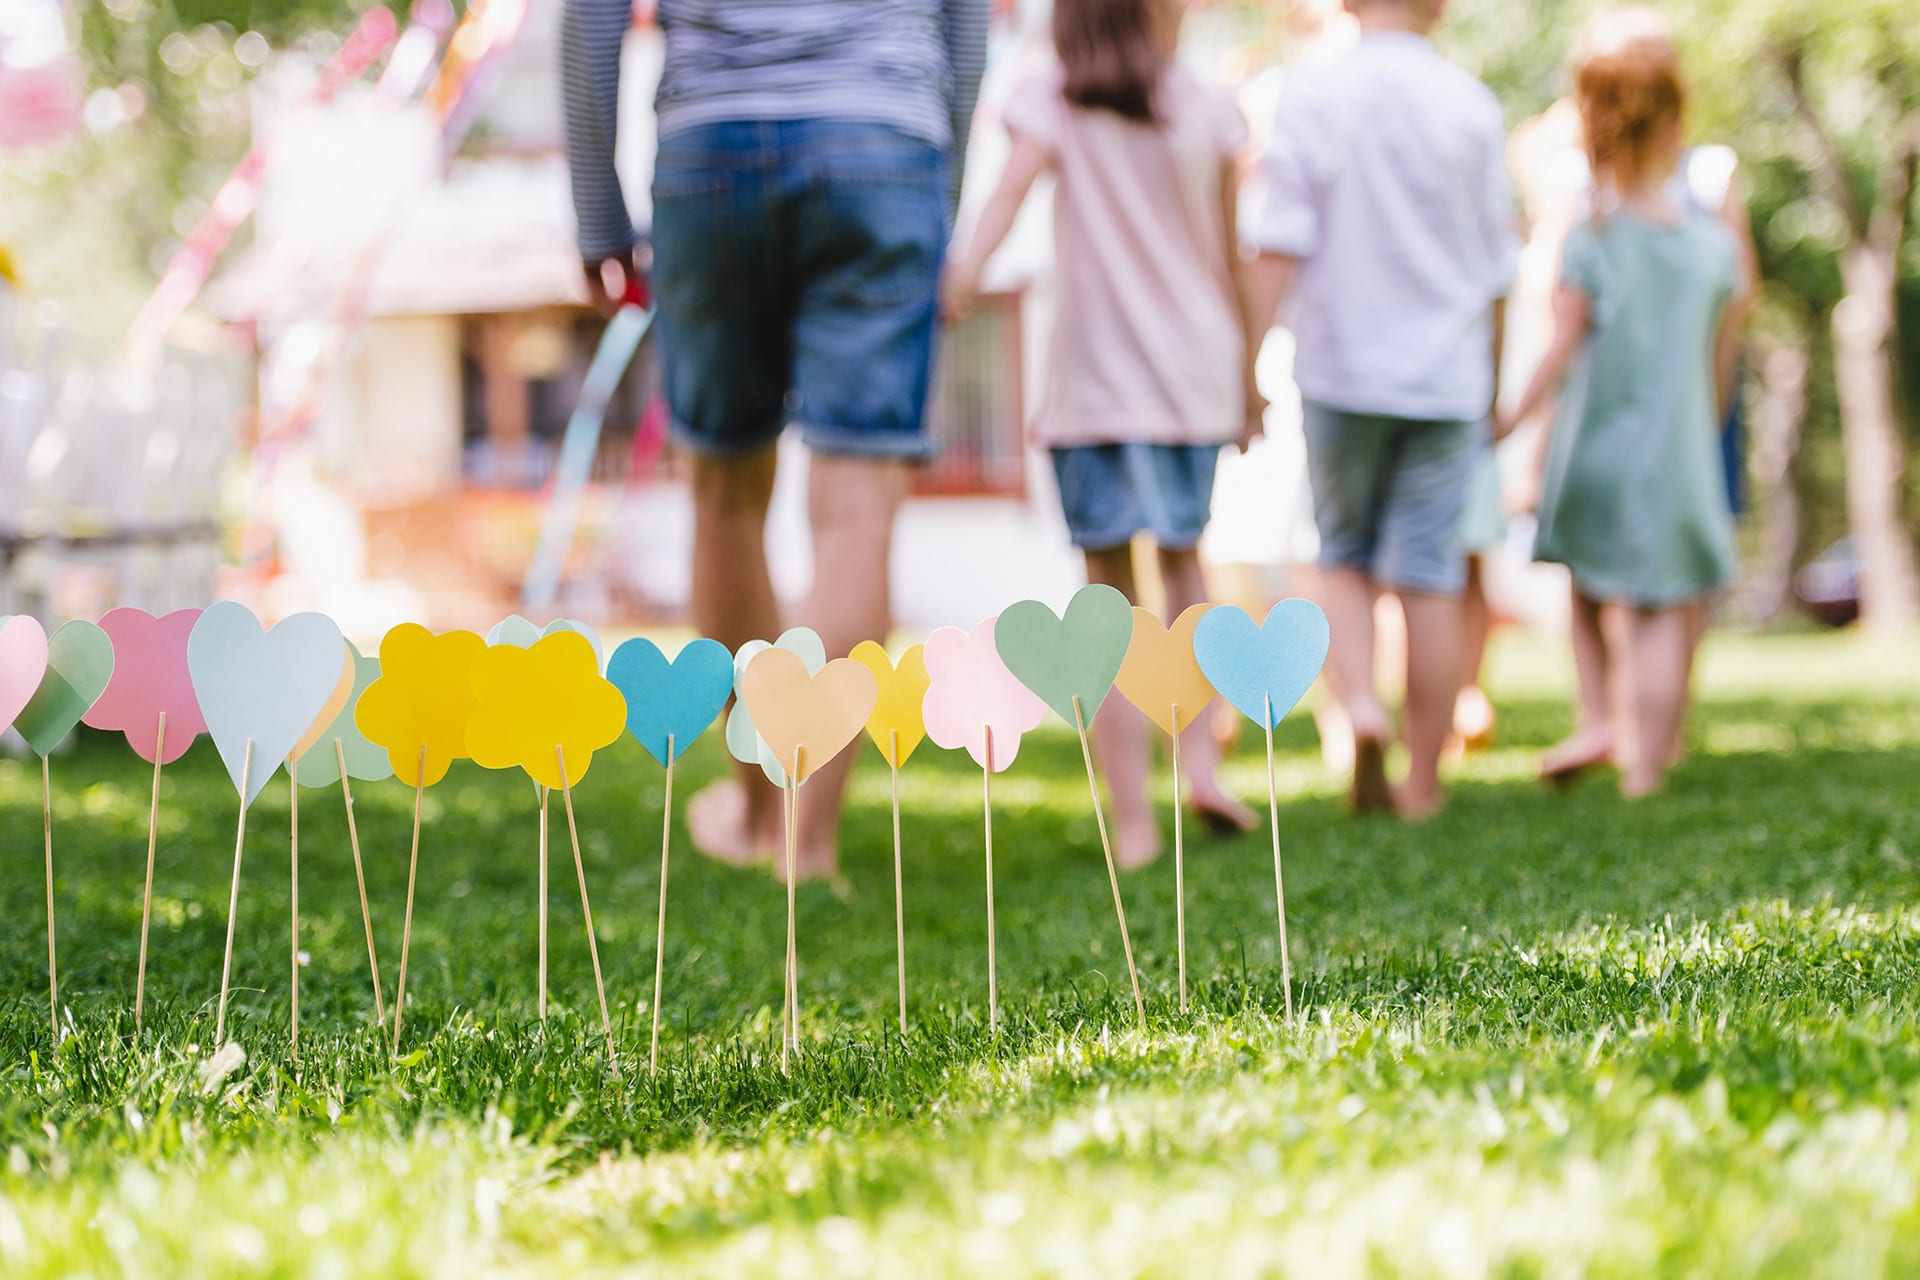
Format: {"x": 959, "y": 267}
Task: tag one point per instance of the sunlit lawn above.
{"x": 1542, "y": 1035}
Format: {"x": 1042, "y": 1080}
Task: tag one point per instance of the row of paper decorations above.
{"x": 300, "y": 696}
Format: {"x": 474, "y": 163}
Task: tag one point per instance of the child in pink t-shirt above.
{"x": 1151, "y": 370}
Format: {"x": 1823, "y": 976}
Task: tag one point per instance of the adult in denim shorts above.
{"x": 810, "y": 152}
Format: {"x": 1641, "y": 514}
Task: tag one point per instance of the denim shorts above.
{"x": 797, "y": 269}
{"x": 1112, "y": 491}
{"x": 1390, "y": 495}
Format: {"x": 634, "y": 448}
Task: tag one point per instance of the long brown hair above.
{"x": 1628, "y": 86}
{"x": 1110, "y": 54}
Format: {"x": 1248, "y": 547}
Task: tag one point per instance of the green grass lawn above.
{"x": 1542, "y": 1035}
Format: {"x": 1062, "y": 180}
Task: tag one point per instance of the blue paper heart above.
{"x": 263, "y": 687}
{"x": 671, "y": 700}
{"x": 1264, "y": 669}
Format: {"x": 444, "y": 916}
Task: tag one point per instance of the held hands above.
{"x": 1254, "y": 423}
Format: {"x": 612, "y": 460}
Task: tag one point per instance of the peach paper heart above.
{"x": 813, "y": 717}
{"x": 1161, "y": 673}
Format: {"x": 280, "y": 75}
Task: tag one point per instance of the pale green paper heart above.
{"x": 1064, "y": 659}
{"x": 79, "y": 665}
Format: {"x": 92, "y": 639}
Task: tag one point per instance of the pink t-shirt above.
{"x": 1147, "y": 343}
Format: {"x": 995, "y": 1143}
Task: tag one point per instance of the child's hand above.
{"x": 1504, "y": 425}
{"x": 959, "y": 291}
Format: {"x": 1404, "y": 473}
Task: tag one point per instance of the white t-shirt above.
{"x": 1387, "y": 175}
{"x": 1147, "y": 341}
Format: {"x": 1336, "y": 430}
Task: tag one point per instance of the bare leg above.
{"x": 1185, "y": 587}
{"x": 1433, "y": 684}
{"x": 1329, "y": 716}
{"x": 1698, "y": 614}
{"x": 1592, "y": 740}
{"x": 851, "y": 505}
{"x": 1473, "y": 715}
{"x": 1348, "y": 596}
{"x": 1659, "y": 641}
{"x": 1120, "y": 740}
{"x": 733, "y": 603}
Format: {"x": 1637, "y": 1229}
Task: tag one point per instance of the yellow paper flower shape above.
{"x": 534, "y": 700}
{"x": 423, "y": 698}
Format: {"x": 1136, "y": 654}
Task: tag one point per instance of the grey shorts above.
{"x": 1389, "y": 496}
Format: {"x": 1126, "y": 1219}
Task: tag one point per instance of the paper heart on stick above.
{"x": 671, "y": 701}
{"x": 1072, "y": 657}
{"x": 744, "y": 742}
{"x": 23, "y": 660}
{"x": 806, "y": 716}
{"x": 366, "y": 761}
{"x": 150, "y": 678}
{"x": 897, "y": 723}
{"x": 970, "y": 690}
{"x": 267, "y": 687}
{"x": 516, "y": 631}
{"x": 422, "y": 700}
{"x": 1161, "y": 673}
{"x": 1263, "y": 669}
{"x": 338, "y": 701}
{"x": 79, "y": 665}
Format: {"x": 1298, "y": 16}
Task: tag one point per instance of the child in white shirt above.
{"x": 1388, "y": 211}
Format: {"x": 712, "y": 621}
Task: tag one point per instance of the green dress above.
{"x": 1634, "y": 500}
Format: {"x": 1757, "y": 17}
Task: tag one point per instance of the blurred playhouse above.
{"x": 419, "y": 317}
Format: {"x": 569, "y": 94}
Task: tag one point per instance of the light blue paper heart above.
{"x": 671, "y": 700}
{"x": 744, "y": 742}
{"x": 366, "y": 762}
{"x": 1064, "y": 658}
{"x": 521, "y": 634}
{"x": 1263, "y": 669}
{"x": 264, "y": 686}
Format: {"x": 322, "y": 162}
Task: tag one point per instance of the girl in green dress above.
{"x": 1633, "y": 500}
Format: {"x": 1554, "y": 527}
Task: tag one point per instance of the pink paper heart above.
{"x": 23, "y": 663}
{"x": 150, "y": 676}
{"x": 970, "y": 691}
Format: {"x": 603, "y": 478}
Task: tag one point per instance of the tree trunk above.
{"x": 1875, "y": 445}
{"x": 1779, "y": 410}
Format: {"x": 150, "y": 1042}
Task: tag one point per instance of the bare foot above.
{"x": 822, "y": 863}
{"x": 1638, "y": 784}
{"x": 1135, "y": 843}
{"x": 719, "y": 821}
{"x": 1474, "y": 719}
{"x": 1221, "y": 814}
{"x": 1586, "y": 749}
{"x": 1370, "y": 792}
{"x": 1415, "y": 804}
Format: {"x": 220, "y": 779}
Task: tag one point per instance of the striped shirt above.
{"x": 911, "y": 64}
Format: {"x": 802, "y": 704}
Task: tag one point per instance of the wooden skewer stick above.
{"x": 1113, "y": 874}
{"x": 586, "y": 908}
{"x": 360, "y": 875}
{"x": 233, "y": 900}
{"x": 146, "y": 902}
{"x": 543, "y": 905}
{"x": 1279, "y": 887}
{"x": 660, "y": 935}
{"x": 793, "y": 875}
{"x": 1179, "y": 862}
{"x": 413, "y": 868}
{"x": 293, "y": 901}
{"x": 986, "y": 797}
{"x": 899, "y": 886}
{"x": 53, "y": 977}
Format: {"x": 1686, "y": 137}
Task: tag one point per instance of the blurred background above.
{"x": 290, "y": 311}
